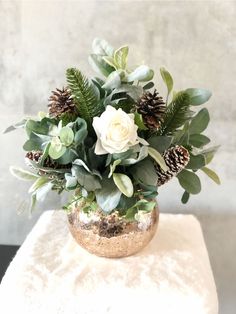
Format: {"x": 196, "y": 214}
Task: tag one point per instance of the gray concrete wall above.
{"x": 195, "y": 40}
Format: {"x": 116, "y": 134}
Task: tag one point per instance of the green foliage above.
{"x": 189, "y": 181}
{"x": 198, "y": 96}
{"x": 185, "y": 197}
{"x": 145, "y": 172}
{"x": 85, "y": 95}
{"x": 196, "y": 162}
{"x": 198, "y": 140}
{"x": 141, "y": 205}
{"x": 177, "y": 113}
{"x": 142, "y": 73}
{"x": 124, "y": 184}
{"x": 199, "y": 122}
{"x": 15, "y": 126}
{"x": 138, "y": 118}
{"x": 158, "y": 158}
{"x": 167, "y": 78}
{"x": 66, "y": 136}
{"x": 160, "y": 143}
{"x": 22, "y": 174}
{"x": 211, "y": 174}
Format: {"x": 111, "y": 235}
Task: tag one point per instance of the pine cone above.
{"x": 152, "y": 108}
{"x": 176, "y": 159}
{"x": 61, "y": 102}
{"x": 36, "y": 157}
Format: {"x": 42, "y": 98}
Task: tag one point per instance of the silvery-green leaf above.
{"x": 143, "y": 73}
{"x": 101, "y": 47}
{"x": 120, "y": 57}
{"x": 124, "y": 184}
{"x": 99, "y": 65}
{"x": 87, "y": 180}
{"x": 158, "y": 158}
{"x": 145, "y": 172}
{"x": 56, "y": 149}
{"x": 108, "y": 196}
{"x": 22, "y": 174}
{"x": 196, "y": 162}
{"x": 138, "y": 119}
{"x": 15, "y": 126}
{"x": 42, "y": 192}
{"x": 110, "y": 61}
{"x": 198, "y": 95}
{"x": 113, "y": 80}
{"x": 113, "y": 167}
{"x": 80, "y": 162}
{"x": 37, "y": 184}
{"x": 167, "y": 79}
{"x": 160, "y": 143}
{"x": 199, "y": 122}
{"x": 185, "y": 197}
{"x": 198, "y": 140}
{"x": 69, "y": 156}
{"x": 135, "y": 92}
{"x": 211, "y": 174}
{"x": 66, "y": 136}
{"x": 131, "y": 161}
{"x": 189, "y": 181}
{"x": 71, "y": 181}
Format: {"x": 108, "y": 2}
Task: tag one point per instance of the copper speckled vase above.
{"x": 112, "y": 235}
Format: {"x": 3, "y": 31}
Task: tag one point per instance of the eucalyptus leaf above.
{"x": 56, "y": 149}
{"x": 68, "y": 157}
{"x": 113, "y": 167}
{"x": 15, "y": 126}
{"x": 158, "y": 158}
{"x": 199, "y": 122}
{"x": 124, "y": 184}
{"x": 198, "y": 140}
{"x": 149, "y": 85}
{"x": 167, "y": 79}
{"x": 185, "y": 197}
{"x": 189, "y": 181}
{"x": 108, "y": 196}
{"x": 138, "y": 119}
{"x": 71, "y": 181}
{"x": 143, "y": 153}
{"x": 211, "y": 174}
{"x": 196, "y": 162}
{"x": 145, "y": 172}
{"x": 87, "y": 180}
{"x": 66, "y": 136}
{"x": 22, "y": 174}
{"x": 198, "y": 96}
{"x": 142, "y": 73}
{"x": 160, "y": 143}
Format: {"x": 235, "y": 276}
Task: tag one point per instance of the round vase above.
{"x": 112, "y": 235}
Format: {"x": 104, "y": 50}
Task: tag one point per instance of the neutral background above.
{"x": 194, "y": 40}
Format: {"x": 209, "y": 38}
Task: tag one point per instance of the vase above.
{"x": 112, "y": 235}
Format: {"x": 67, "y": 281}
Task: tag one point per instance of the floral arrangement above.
{"x": 113, "y": 141}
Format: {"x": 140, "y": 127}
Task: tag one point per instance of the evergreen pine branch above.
{"x": 84, "y": 94}
{"x": 177, "y": 113}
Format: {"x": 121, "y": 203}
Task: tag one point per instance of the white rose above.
{"x": 116, "y": 131}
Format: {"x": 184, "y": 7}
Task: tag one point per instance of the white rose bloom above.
{"x": 116, "y": 131}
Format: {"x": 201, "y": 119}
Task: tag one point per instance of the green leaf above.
{"x": 196, "y": 162}
{"x": 198, "y": 140}
{"x": 135, "y": 92}
{"x": 110, "y": 61}
{"x": 66, "y": 136}
{"x": 38, "y": 184}
{"x": 211, "y": 174}
{"x": 42, "y": 191}
{"x": 138, "y": 119}
{"x": 149, "y": 85}
{"x": 199, "y": 122}
{"x": 145, "y": 172}
{"x": 189, "y": 181}
{"x": 33, "y": 202}
{"x": 99, "y": 65}
{"x": 80, "y": 131}
{"x": 124, "y": 184}
{"x": 85, "y": 95}
{"x": 15, "y": 126}
{"x": 143, "y": 153}
{"x": 86, "y": 179}
{"x": 177, "y": 113}
{"x": 71, "y": 182}
{"x": 38, "y": 127}
{"x": 22, "y": 174}
{"x": 142, "y": 73}
{"x": 120, "y": 57}
{"x": 56, "y": 149}
{"x": 68, "y": 157}
{"x": 102, "y": 47}
{"x": 158, "y": 158}
{"x": 198, "y": 96}
{"x": 160, "y": 143}
{"x": 113, "y": 80}
{"x": 185, "y": 197}
{"x": 113, "y": 167}
{"x": 108, "y": 196}
{"x": 209, "y": 153}
{"x": 167, "y": 79}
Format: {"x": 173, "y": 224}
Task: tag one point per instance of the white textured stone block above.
{"x": 52, "y": 274}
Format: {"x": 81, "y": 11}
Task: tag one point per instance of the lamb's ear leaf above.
{"x": 15, "y": 126}
{"x": 102, "y": 47}
{"x": 23, "y": 174}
